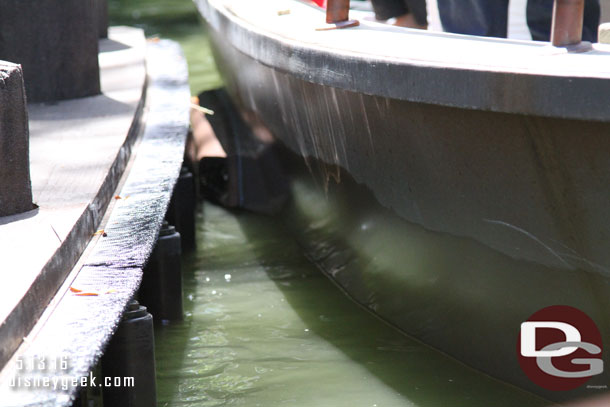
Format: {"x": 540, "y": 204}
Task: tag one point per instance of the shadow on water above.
{"x": 410, "y": 372}
{"x": 418, "y": 373}
{"x": 449, "y": 291}
{"x": 223, "y": 355}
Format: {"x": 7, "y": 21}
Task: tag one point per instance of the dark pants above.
{"x": 386, "y": 9}
{"x": 490, "y": 18}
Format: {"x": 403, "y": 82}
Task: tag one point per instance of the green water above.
{"x": 177, "y": 20}
{"x": 264, "y": 327}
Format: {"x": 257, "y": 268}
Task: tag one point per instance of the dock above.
{"x": 103, "y": 169}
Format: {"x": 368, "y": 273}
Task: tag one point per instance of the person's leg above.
{"x": 419, "y": 11}
{"x": 400, "y": 9}
{"x": 386, "y": 9}
{"x": 487, "y": 18}
{"x": 591, "y": 22}
{"x": 540, "y": 16}
{"x": 409, "y": 21}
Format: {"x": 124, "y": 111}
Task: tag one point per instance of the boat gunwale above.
{"x": 503, "y": 90}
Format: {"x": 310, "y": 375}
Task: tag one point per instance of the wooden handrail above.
{"x": 337, "y": 14}
{"x": 337, "y": 11}
{"x": 566, "y": 28}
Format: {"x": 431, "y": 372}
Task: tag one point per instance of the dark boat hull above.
{"x": 454, "y": 224}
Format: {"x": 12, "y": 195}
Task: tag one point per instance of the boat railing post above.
{"x": 337, "y": 15}
{"x": 566, "y": 29}
{"x": 337, "y": 11}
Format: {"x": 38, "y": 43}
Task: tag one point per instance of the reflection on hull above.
{"x": 451, "y": 292}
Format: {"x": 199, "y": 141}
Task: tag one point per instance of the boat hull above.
{"x": 454, "y": 224}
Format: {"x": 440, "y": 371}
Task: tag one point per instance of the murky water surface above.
{"x": 264, "y": 327}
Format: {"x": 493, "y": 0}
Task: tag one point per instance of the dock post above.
{"x": 56, "y": 42}
{"x": 161, "y": 288}
{"x": 15, "y": 184}
{"x": 181, "y": 211}
{"x": 131, "y": 354}
{"x": 566, "y": 28}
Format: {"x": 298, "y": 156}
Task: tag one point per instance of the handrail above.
{"x": 566, "y": 28}
{"x": 568, "y": 16}
{"x": 337, "y": 14}
{"x": 337, "y": 11}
